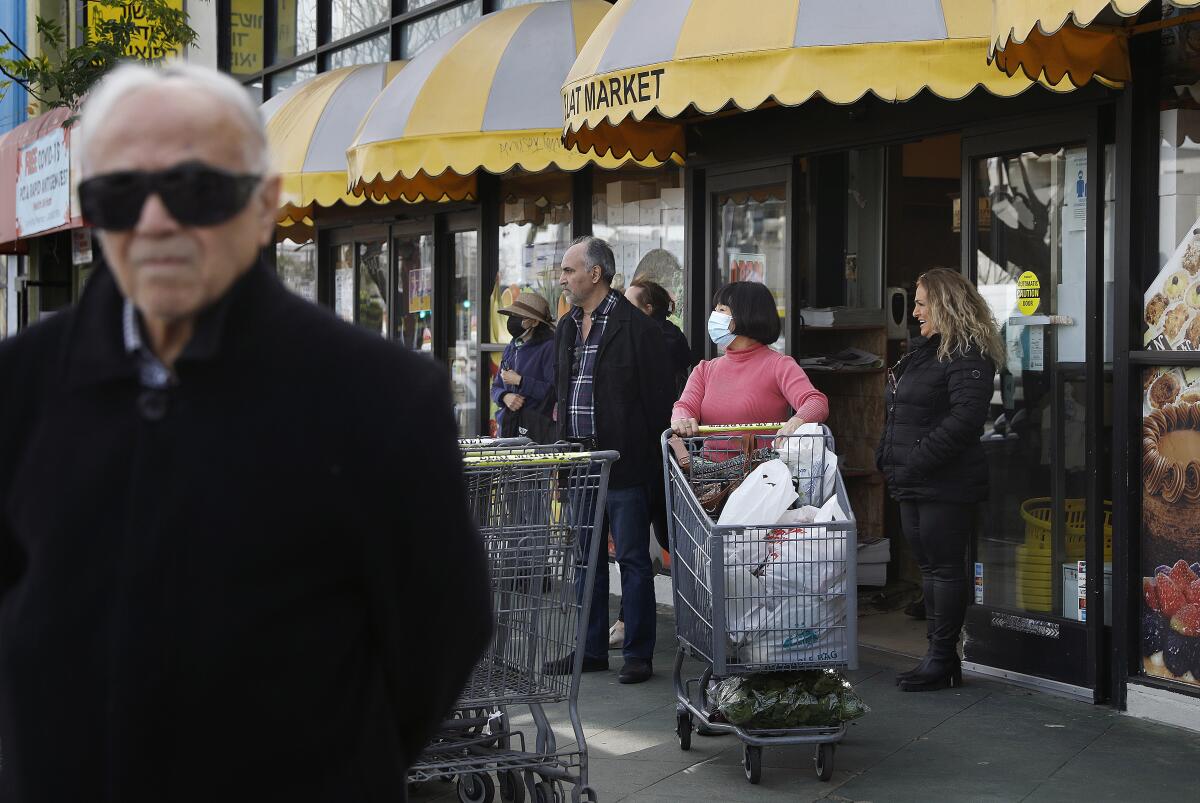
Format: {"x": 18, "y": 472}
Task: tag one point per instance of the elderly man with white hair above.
{"x": 236, "y": 562}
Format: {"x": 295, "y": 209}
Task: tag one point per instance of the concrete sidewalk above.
{"x": 985, "y": 741}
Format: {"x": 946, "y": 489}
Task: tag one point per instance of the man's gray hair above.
{"x": 130, "y": 77}
{"x": 598, "y": 252}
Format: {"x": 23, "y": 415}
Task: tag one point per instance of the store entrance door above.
{"x": 1029, "y": 254}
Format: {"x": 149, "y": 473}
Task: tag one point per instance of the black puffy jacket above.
{"x": 930, "y": 447}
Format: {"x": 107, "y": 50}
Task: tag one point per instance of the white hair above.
{"x": 130, "y": 77}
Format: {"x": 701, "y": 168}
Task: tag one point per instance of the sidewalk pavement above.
{"x": 986, "y": 741}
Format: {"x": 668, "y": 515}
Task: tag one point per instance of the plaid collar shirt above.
{"x": 581, "y": 407}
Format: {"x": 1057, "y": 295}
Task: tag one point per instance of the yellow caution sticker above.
{"x": 1029, "y": 292}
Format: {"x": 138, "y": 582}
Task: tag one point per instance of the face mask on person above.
{"x": 516, "y": 326}
{"x": 718, "y": 328}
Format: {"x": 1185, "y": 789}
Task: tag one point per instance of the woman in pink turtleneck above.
{"x": 750, "y": 383}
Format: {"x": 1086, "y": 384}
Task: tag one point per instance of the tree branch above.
{"x": 13, "y": 44}
{"x": 26, "y": 85}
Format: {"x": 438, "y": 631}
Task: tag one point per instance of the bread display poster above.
{"x": 1172, "y": 302}
{"x": 1171, "y": 521}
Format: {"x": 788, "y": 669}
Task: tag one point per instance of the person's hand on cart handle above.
{"x": 790, "y": 426}
{"x": 510, "y": 377}
{"x": 514, "y": 401}
{"x": 685, "y": 427}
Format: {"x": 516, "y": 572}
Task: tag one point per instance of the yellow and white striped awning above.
{"x": 652, "y": 60}
{"x": 309, "y": 126}
{"x": 485, "y": 96}
{"x": 1076, "y": 39}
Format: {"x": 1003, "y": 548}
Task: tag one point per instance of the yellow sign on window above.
{"x": 246, "y": 36}
{"x": 140, "y": 47}
{"x": 1029, "y": 292}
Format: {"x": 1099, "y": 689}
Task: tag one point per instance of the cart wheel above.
{"x": 512, "y": 788}
{"x": 752, "y": 763}
{"x": 476, "y": 787}
{"x": 823, "y": 759}
{"x": 683, "y": 729}
{"x": 543, "y": 792}
{"x": 589, "y": 794}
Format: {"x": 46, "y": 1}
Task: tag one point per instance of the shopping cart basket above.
{"x": 536, "y": 507}
{"x": 753, "y": 598}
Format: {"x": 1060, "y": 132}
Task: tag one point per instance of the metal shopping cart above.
{"x": 536, "y": 507}
{"x": 753, "y": 598}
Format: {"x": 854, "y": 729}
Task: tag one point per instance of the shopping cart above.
{"x": 753, "y": 598}
{"x": 536, "y": 507}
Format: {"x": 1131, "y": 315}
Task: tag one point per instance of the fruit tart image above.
{"x": 1171, "y": 622}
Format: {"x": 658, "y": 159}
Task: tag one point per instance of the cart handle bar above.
{"x": 538, "y": 459}
{"x": 710, "y": 429}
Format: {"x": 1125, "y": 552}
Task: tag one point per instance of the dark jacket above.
{"x": 632, "y": 392}
{"x": 679, "y": 353}
{"x": 258, "y": 584}
{"x": 534, "y": 361}
{"x": 930, "y": 447}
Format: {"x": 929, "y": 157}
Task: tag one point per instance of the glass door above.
{"x": 412, "y": 304}
{"x": 471, "y": 402}
{"x": 1031, "y": 217}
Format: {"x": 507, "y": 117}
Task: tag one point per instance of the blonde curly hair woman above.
{"x": 938, "y": 396}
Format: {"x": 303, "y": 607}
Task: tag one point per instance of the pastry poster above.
{"x": 1172, "y": 302}
{"x": 1171, "y": 524}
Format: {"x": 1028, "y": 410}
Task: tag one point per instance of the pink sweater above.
{"x": 750, "y": 386}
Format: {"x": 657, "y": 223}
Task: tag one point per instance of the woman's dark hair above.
{"x": 656, "y": 296}
{"x": 754, "y": 312}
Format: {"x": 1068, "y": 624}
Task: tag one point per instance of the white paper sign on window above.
{"x": 43, "y": 184}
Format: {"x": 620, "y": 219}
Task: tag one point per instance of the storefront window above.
{"x": 641, "y": 214}
{"x": 343, "y": 281}
{"x": 464, "y": 351}
{"x": 535, "y": 232}
{"x": 372, "y": 286}
{"x": 245, "y": 36}
{"x": 295, "y": 28}
{"x": 288, "y": 78}
{"x": 372, "y": 51}
{"x": 420, "y": 34}
{"x": 349, "y": 17}
{"x": 296, "y": 266}
{"x": 414, "y": 290}
{"x": 751, "y": 233}
{"x": 1171, "y": 394}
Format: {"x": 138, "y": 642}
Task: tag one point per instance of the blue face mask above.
{"x": 718, "y": 328}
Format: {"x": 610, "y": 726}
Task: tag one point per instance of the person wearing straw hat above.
{"x": 523, "y": 389}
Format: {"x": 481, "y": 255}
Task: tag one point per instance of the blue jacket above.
{"x": 534, "y": 361}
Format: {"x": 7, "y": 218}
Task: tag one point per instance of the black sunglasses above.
{"x": 194, "y": 193}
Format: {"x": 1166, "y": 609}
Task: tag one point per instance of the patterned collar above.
{"x": 602, "y": 309}
{"x": 151, "y": 370}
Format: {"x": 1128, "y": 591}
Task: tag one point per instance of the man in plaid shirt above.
{"x": 614, "y": 392}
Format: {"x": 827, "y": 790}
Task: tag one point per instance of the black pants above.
{"x": 938, "y": 533}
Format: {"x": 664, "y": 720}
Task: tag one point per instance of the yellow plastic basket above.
{"x": 1037, "y": 511}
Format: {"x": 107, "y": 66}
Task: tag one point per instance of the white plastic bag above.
{"x": 831, "y": 511}
{"x": 800, "y": 630}
{"x": 745, "y": 604}
{"x": 805, "y": 562}
{"x": 811, "y": 464}
{"x": 799, "y": 515}
{"x": 762, "y": 497}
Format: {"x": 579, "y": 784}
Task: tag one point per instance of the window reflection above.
{"x": 535, "y": 232}
{"x": 373, "y": 286}
{"x": 372, "y": 51}
{"x": 751, "y": 232}
{"x": 349, "y": 17}
{"x": 414, "y": 291}
{"x": 343, "y": 281}
{"x": 641, "y": 214}
{"x": 288, "y": 78}
{"x": 464, "y": 353}
{"x": 296, "y": 28}
{"x": 422, "y": 33}
{"x": 245, "y": 36}
{"x": 296, "y": 266}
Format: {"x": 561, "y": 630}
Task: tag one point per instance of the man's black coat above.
{"x": 631, "y": 391}
{"x": 930, "y": 448}
{"x": 272, "y": 592}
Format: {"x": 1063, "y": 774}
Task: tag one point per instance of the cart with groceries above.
{"x": 536, "y": 507}
{"x": 763, "y": 553}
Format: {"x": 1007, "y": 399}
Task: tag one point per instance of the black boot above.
{"x": 926, "y": 603}
{"x": 942, "y": 669}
